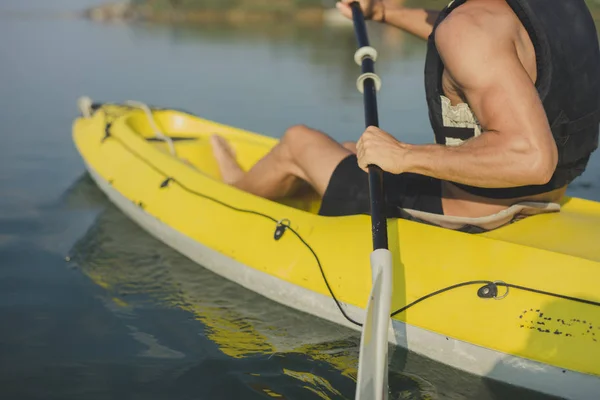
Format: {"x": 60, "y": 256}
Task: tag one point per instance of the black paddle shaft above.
{"x": 376, "y": 189}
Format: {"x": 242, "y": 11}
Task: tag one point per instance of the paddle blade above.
{"x": 373, "y": 358}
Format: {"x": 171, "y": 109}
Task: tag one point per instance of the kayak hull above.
{"x": 440, "y": 341}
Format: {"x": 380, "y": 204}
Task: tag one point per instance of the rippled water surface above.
{"x": 125, "y": 316}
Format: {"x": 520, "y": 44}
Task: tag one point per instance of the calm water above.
{"x": 127, "y": 317}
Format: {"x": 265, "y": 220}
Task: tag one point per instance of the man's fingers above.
{"x": 362, "y": 145}
{"x": 364, "y": 165}
{"x": 344, "y": 8}
{"x": 363, "y": 159}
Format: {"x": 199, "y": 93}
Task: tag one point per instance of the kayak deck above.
{"x": 550, "y": 257}
{"x": 573, "y": 231}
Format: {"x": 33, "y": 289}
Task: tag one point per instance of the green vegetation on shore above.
{"x": 212, "y": 10}
{"x": 240, "y": 10}
{"x": 267, "y": 5}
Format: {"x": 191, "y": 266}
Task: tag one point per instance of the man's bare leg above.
{"x": 231, "y": 171}
{"x": 302, "y": 154}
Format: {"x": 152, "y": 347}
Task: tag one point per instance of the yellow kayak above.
{"x": 519, "y": 304}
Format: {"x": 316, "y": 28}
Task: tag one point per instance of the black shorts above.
{"x": 348, "y": 192}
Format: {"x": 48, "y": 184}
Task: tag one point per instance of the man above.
{"x": 513, "y": 90}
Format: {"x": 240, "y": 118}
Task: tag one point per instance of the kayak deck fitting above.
{"x": 519, "y": 304}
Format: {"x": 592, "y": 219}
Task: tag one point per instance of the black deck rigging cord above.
{"x": 491, "y": 284}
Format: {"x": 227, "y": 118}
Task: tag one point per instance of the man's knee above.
{"x": 300, "y": 140}
{"x": 296, "y": 133}
{"x": 300, "y": 137}
{"x": 290, "y": 142}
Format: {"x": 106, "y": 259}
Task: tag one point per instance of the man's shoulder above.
{"x": 475, "y": 39}
{"x": 477, "y": 22}
{"x": 481, "y": 10}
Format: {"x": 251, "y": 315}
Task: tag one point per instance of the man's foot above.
{"x": 231, "y": 172}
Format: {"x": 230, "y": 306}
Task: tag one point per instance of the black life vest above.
{"x": 568, "y": 81}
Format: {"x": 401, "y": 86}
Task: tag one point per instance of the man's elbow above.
{"x": 543, "y": 167}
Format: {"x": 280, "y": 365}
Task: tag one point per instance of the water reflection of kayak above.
{"x": 265, "y": 347}
{"x": 543, "y": 334}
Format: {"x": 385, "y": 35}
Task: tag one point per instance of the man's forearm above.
{"x": 417, "y": 21}
{"x": 483, "y": 161}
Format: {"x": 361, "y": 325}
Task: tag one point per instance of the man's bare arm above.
{"x": 516, "y": 147}
{"x": 417, "y": 21}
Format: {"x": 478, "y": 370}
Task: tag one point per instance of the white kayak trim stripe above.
{"x": 458, "y": 354}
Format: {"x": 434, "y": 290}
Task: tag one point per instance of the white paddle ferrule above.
{"x": 368, "y": 75}
{"x": 365, "y": 52}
